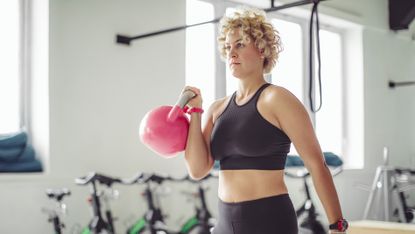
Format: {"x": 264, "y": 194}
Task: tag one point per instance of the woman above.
{"x": 250, "y": 133}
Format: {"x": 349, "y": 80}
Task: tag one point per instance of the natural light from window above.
{"x": 288, "y": 72}
{"x": 200, "y": 50}
{"x": 338, "y": 124}
{"x": 9, "y": 72}
{"x": 329, "y": 120}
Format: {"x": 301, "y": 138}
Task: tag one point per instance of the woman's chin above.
{"x": 236, "y": 74}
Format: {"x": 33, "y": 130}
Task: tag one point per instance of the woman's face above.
{"x": 243, "y": 58}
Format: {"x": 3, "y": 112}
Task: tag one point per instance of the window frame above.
{"x": 25, "y": 68}
{"x": 346, "y": 122}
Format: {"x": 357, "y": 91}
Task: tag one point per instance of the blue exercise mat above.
{"x": 25, "y": 154}
{"x": 13, "y": 140}
{"x": 10, "y": 154}
{"x": 331, "y": 160}
{"x": 31, "y": 166}
{"x": 16, "y": 155}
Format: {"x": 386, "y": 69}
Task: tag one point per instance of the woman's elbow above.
{"x": 198, "y": 175}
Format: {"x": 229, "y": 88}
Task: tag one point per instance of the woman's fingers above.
{"x": 195, "y": 101}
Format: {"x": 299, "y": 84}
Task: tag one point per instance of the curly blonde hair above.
{"x": 253, "y": 24}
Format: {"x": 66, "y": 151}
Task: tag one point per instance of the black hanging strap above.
{"x": 311, "y": 55}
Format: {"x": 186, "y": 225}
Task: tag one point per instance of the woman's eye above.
{"x": 227, "y": 48}
{"x": 239, "y": 45}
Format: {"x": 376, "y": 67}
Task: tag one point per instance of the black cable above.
{"x": 311, "y": 75}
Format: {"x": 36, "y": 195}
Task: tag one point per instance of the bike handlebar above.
{"x": 102, "y": 179}
{"x": 58, "y": 194}
{"x": 142, "y": 178}
{"x": 335, "y": 171}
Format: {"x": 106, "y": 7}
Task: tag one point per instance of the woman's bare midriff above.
{"x": 245, "y": 185}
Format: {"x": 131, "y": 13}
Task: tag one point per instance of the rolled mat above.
{"x": 13, "y": 140}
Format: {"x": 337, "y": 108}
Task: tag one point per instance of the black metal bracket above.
{"x": 393, "y": 84}
{"x": 126, "y": 40}
{"x": 122, "y": 39}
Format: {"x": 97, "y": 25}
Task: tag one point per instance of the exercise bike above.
{"x": 98, "y": 223}
{"x": 57, "y": 196}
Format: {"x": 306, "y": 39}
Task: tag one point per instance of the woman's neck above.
{"x": 249, "y": 86}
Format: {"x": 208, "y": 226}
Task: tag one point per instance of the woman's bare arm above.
{"x": 199, "y": 161}
{"x": 296, "y": 123}
{"x": 197, "y": 152}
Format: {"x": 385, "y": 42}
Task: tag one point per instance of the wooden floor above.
{"x": 380, "y": 227}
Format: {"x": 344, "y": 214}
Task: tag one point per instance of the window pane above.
{"x": 200, "y": 51}
{"x": 329, "y": 119}
{"x": 9, "y": 69}
{"x": 288, "y": 72}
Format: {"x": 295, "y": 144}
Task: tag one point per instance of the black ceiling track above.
{"x": 126, "y": 40}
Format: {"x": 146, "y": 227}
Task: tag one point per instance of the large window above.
{"x": 332, "y": 124}
{"x": 329, "y": 120}
{"x": 22, "y": 153}
{"x": 10, "y": 60}
{"x": 200, "y": 49}
{"x": 289, "y": 71}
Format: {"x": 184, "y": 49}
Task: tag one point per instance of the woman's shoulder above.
{"x": 276, "y": 93}
{"x": 278, "y": 99}
{"x": 219, "y": 102}
{"x": 218, "y": 106}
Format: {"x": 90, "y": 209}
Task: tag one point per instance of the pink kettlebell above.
{"x": 164, "y": 129}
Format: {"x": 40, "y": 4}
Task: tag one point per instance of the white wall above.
{"x": 99, "y": 91}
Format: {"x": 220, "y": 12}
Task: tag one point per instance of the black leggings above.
{"x": 269, "y": 215}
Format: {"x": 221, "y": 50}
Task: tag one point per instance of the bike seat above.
{"x": 93, "y": 177}
{"x": 58, "y": 194}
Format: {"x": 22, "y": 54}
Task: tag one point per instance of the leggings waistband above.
{"x": 256, "y": 201}
{"x": 268, "y": 215}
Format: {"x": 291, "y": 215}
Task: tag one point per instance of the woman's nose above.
{"x": 232, "y": 54}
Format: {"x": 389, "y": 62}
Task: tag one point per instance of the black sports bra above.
{"x": 242, "y": 139}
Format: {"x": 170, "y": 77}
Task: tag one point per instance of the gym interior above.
{"x": 80, "y": 75}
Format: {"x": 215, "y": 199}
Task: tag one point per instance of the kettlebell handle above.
{"x": 184, "y": 98}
